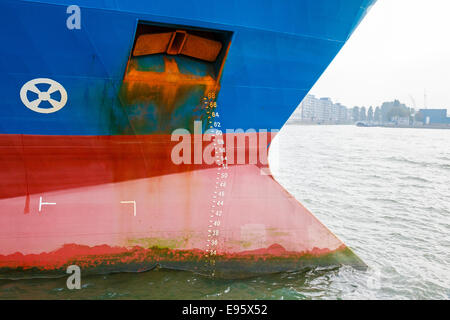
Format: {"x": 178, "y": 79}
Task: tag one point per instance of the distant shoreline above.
{"x": 300, "y": 123}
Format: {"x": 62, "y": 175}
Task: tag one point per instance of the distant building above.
{"x": 341, "y": 113}
{"x": 349, "y": 115}
{"x": 435, "y": 116}
{"x": 324, "y": 111}
{"x": 327, "y": 110}
{"x": 308, "y": 108}
{"x": 296, "y": 115}
{"x": 321, "y": 110}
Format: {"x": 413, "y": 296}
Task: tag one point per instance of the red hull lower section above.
{"x": 119, "y": 203}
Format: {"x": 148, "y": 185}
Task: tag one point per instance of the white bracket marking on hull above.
{"x": 134, "y": 205}
{"x": 44, "y": 203}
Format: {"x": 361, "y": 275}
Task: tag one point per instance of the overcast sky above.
{"x": 400, "y": 50}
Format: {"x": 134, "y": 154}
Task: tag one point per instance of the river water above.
{"x": 384, "y": 191}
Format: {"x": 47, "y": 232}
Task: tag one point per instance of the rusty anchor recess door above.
{"x": 170, "y": 71}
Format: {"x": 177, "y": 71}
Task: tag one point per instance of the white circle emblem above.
{"x": 43, "y": 96}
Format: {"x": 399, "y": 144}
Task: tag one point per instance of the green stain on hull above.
{"x": 254, "y": 265}
{"x": 148, "y": 243}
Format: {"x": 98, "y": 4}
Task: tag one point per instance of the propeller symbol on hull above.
{"x": 43, "y": 95}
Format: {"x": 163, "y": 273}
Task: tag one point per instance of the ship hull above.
{"x": 100, "y": 182}
{"x": 150, "y": 212}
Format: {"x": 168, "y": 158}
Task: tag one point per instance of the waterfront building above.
{"x": 435, "y": 116}
{"x": 308, "y": 108}
{"x": 326, "y": 105}
{"x": 321, "y": 110}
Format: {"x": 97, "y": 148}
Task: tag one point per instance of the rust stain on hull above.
{"x": 103, "y": 258}
{"x": 160, "y": 102}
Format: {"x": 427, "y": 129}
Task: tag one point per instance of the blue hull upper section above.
{"x": 278, "y": 51}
